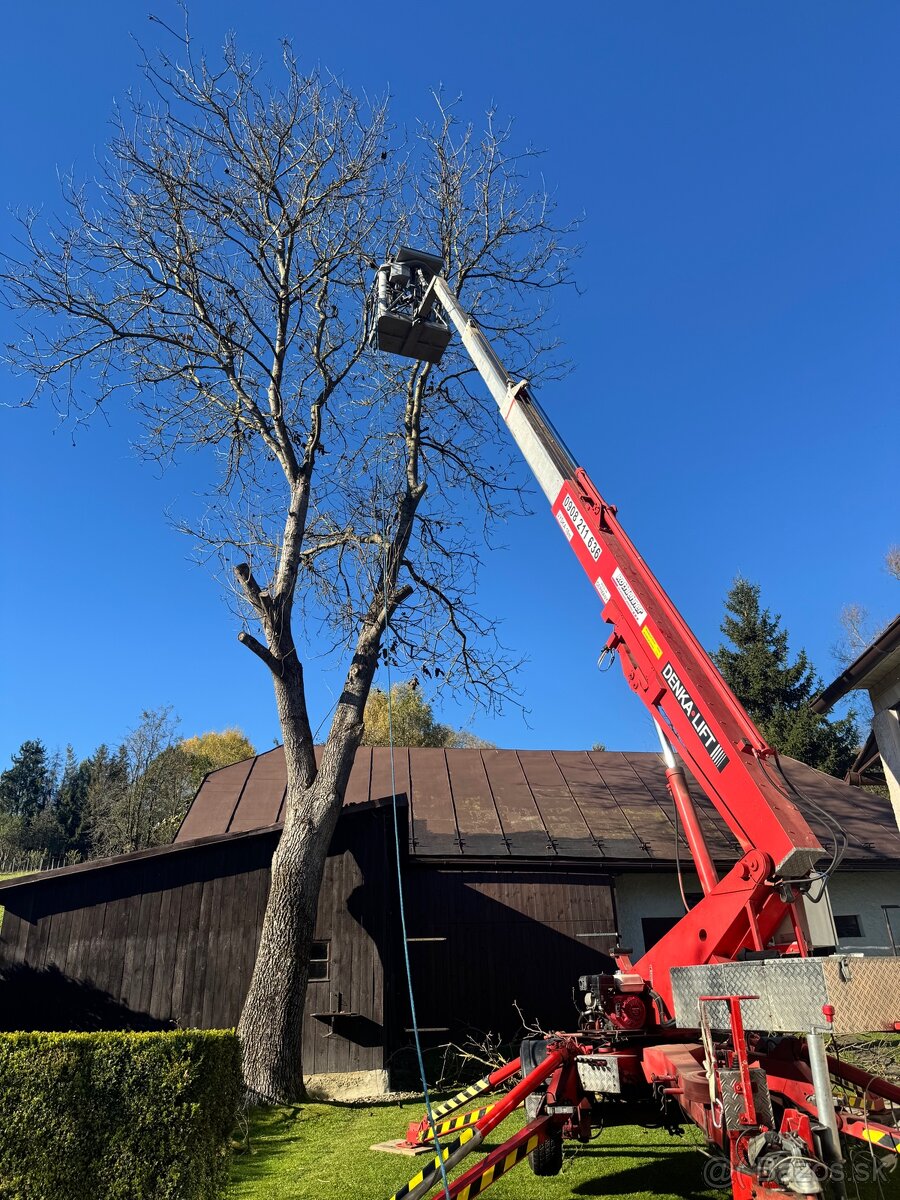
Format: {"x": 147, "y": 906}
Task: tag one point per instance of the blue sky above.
{"x": 736, "y": 345}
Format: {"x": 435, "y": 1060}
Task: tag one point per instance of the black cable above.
{"x": 835, "y": 829}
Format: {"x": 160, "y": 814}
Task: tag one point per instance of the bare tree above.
{"x": 138, "y": 796}
{"x": 859, "y": 627}
{"x": 213, "y": 277}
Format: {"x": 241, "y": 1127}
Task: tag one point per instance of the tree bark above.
{"x": 271, "y": 1024}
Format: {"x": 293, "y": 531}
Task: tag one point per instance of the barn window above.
{"x": 319, "y": 960}
{"x": 848, "y": 927}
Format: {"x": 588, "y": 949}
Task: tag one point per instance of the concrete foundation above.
{"x": 347, "y": 1085}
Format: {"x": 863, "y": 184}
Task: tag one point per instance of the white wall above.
{"x": 861, "y": 894}
{"x": 641, "y": 895}
{"x": 852, "y": 893}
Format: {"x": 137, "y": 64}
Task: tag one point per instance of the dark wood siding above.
{"x": 510, "y": 936}
{"x": 173, "y": 938}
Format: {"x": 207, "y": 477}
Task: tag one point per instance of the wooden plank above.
{"x": 38, "y": 941}
{"x": 210, "y": 945}
{"x": 518, "y": 814}
{"x": 164, "y": 967}
{"x": 115, "y": 937}
{"x": 74, "y": 967}
{"x": 481, "y": 832}
{"x": 186, "y": 951}
{"x": 96, "y": 963}
{"x": 238, "y": 916}
{"x": 58, "y": 946}
{"x": 135, "y": 952}
{"x": 146, "y": 962}
{"x": 18, "y": 945}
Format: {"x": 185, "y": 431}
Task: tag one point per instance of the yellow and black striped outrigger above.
{"x": 453, "y": 1124}
{"x": 463, "y": 1097}
{"x": 880, "y": 1136}
{"x": 422, "y": 1183}
{"x": 480, "y": 1176}
{"x": 421, "y": 1133}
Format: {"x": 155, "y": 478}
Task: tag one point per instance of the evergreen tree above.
{"x": 27, "y": 786}
{"x": 776, "y": 691}
{"x": 71, "y": 802}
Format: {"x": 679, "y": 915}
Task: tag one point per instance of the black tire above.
{"x": 548, "y": 1158}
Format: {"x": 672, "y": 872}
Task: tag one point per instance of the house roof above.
{"x": 875, "y": 663}
{"x": 596, "y": 807}
{"x": 529, "y": 804}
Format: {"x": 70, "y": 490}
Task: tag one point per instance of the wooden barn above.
{"x": 520, "y": 869}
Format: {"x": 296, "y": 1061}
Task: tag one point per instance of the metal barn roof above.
{"x": 528, "y": 804}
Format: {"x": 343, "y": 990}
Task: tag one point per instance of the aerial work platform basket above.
{"x": 402, "y": 326}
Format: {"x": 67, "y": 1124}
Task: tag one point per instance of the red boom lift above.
{"x": 722, "y": 1021}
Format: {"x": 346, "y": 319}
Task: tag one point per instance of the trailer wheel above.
{"x": 547, "y": 1159}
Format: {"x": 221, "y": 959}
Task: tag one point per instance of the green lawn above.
{"x": 321, "y": 1152}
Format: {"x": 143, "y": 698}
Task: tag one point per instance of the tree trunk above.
{"x": 271, "y": 1024}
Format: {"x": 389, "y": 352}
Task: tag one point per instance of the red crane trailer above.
{"x": 704, "y": 1026}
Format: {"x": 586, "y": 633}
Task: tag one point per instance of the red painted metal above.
{"x": 743, "y": 911}
{"x": 862, "y": 1080}
{"x": 684, "y": 804}
{"x": 562, "y": 1052}
{"x": 673, "y": 675}
{"x": 473, "y": 1182}
{"x": 420, "y": 1132}
{"x": 739, "y": 1042}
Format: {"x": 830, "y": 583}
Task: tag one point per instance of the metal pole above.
{"x": 818, "y": 1062}
{"x": 684, "y": 803}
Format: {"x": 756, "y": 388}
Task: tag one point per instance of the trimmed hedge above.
{"x": 117, "y": 1116}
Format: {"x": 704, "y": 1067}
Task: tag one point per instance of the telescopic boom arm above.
{"x": 662, "y": 660}
{"x": 755, "y": 906}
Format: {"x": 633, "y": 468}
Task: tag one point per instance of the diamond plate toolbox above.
{"x": 865, "y": 993}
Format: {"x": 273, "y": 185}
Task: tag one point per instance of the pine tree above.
{"x": 71, "y": 802}
{"x": 776, "y": 691}
{"x": 27, "y": 786}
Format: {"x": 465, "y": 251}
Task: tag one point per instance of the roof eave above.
{"x": 855, "y": 675}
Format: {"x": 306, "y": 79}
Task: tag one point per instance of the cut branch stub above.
{"x": 261, "y": 651}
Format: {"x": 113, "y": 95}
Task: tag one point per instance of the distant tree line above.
{"x": 59, "y": 808}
